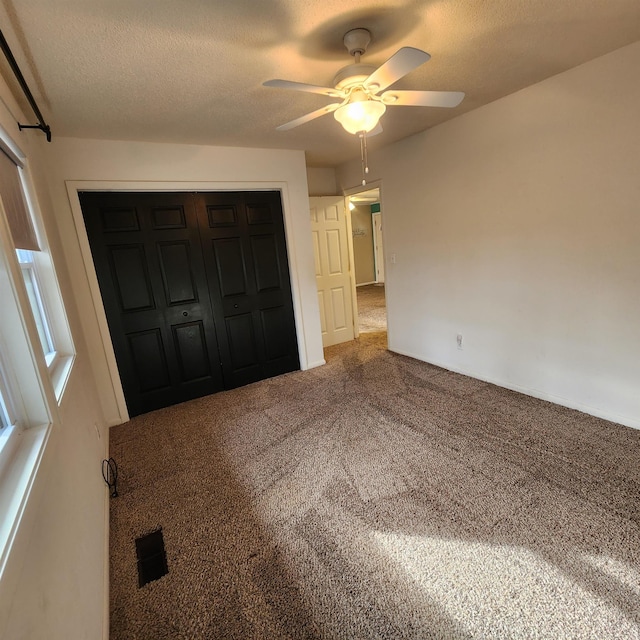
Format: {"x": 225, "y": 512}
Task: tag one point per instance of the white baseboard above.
{"x": 634, "y": 423}
{"x": 364, "y": 284}
{"x": 106, "y": 605}
{"x": 105, "y": 613}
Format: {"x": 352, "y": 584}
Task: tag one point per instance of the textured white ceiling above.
{"x": 191, "y": 71}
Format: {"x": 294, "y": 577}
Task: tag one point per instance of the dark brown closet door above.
{"x": 196, "y": 290}
{"x": 148, "y": 259}
{"x": 245, "y": 253}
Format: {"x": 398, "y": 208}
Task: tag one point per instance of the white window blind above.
{"x": 22, "y": 231}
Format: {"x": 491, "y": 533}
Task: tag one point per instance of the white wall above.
{"x": 53, "y": 586}
{"x": 58, "y": 584}
{"x": 518, "y": 226}
{"x": 99, "y": 164}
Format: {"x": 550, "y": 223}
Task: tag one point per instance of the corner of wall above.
{"x": 321, "y": 181}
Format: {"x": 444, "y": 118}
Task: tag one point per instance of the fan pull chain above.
{"x": 363, "y": 156}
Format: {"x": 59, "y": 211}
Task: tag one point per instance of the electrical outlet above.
{"x": 459, "y": 340}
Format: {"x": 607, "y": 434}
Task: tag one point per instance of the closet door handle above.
{"x": 235, "y": 306}
{"x": 185, "y": 313}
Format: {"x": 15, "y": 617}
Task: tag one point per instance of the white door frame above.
{"x": 378, "y": 251}
{"x": 374, "y": 184}
{"x": 74, "y": 186}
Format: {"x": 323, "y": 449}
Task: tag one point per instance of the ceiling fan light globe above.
{"x": 360, "y": 116}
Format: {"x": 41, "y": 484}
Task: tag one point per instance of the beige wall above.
{"x": 362, "y": 228}
{"x": 100, "y": 164}
{"x": 517, "y": 225}
{"x": 321, "y": 181}
{"x": 53, "y": 586}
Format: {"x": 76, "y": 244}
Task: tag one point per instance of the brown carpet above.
{"x": 377, "y": 497}
{"x": 372, "y": 309}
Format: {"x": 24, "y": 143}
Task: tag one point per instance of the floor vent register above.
{"x": 152, "y": 558}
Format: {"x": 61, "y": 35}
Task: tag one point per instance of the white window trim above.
{"x": 32, "y": 392}
{"x": 31, "y": 269}
{"x": 9, "y": 438}
{"x": 9, "y": 429}
{"x": 7, "y": 415}
{"x": 60, "y": 364}
{"x": 29, "y": 397}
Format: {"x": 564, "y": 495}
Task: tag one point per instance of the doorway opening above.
{"x": 368, "y": 256}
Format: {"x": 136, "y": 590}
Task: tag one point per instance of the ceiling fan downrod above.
{"x": 356, "y": 41}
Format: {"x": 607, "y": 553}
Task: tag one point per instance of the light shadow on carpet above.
{"x": 377, "y": 497}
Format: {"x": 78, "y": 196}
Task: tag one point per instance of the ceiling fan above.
{"x": 363, "y": 90}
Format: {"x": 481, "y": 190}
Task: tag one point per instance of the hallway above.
{"x": 372, "y": 309}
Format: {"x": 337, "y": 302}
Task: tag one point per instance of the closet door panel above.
{"x": 147, "y": 254}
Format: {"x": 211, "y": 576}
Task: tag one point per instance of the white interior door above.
{"x": 377, "y": 246}
{"x": 333, "y": 268}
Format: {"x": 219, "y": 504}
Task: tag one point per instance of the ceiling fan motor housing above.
{"x": 352, "y": 74}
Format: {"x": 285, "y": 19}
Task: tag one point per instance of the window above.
{"x": 4, "y": 413}
{"x": 11, "y": 421}
{"x": 26, "y": 418}
{"x": 30, "y": 275}
{"x": 38, "y": 275}
{"x": 8, "y": 428}
{"x": 30, "y": 382}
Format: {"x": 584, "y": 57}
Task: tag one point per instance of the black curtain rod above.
{"x": 43, "y": 126}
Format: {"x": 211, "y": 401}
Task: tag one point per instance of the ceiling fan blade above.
{"x": 423, "y": 98}
{"x": 399, "y": 64}
{"x": 310, "y": 116}
{"x": 301, "y": 86}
